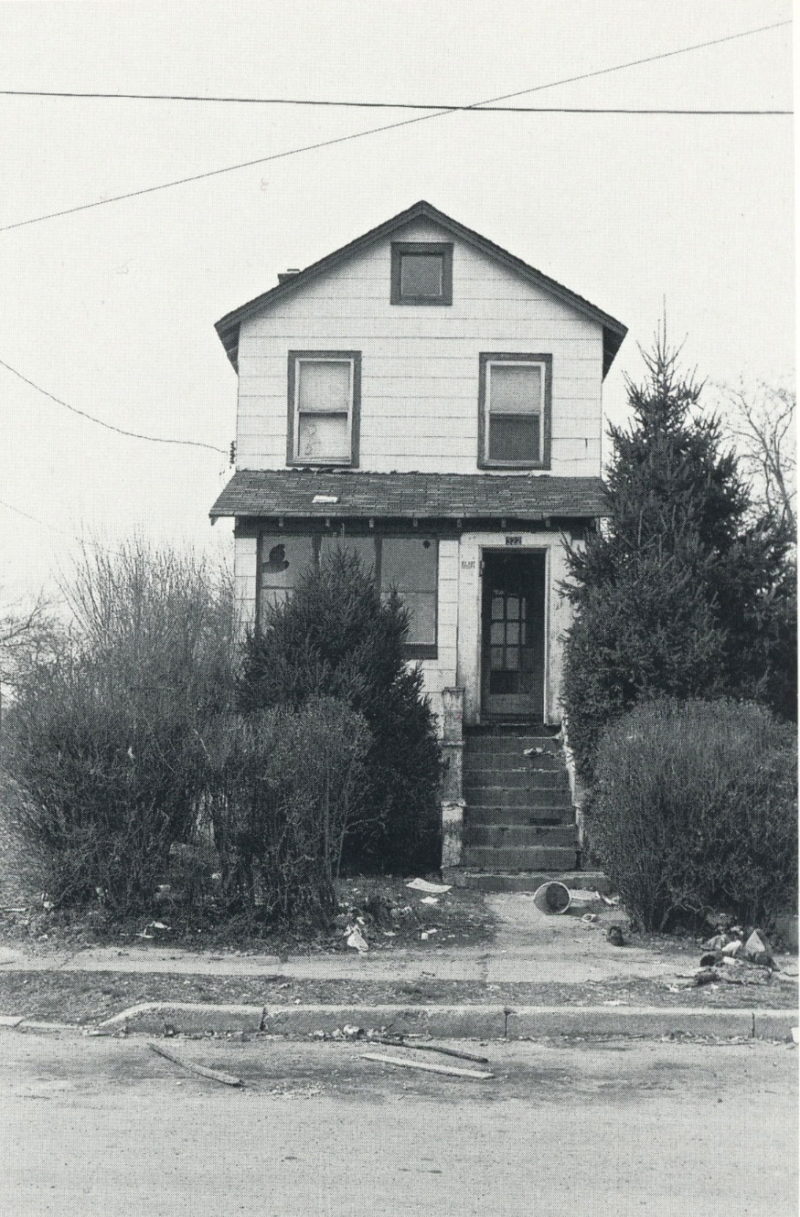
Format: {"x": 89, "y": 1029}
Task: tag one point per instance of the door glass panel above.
{"x": 512, "y": 633}
{"x": 512, "y": 608}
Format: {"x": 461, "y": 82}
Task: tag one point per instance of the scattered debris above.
{"x": 402, "y": 1043}
{"x": 732, "y": 948}
{"x": 429, "y": 900}
{"x": 449, "y": 1070}
{"x": 615, "y": 936}
{"x": 152, "y": 925}
{"x": 756, "y": 944}
{"x": 214, "y": 1075}
{"x": 552, "y": 897}
{"x": 356, "y": 939}
{"x": 589, "y": 918}
{"x": 434, "y": 889}
{"x": 426, "y": 934}
{"x": 613, "y": 901}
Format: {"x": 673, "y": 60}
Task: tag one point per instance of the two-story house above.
{"x": 434, "y": 402}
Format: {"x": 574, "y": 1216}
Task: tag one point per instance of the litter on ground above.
{"x": 422, "y": 885}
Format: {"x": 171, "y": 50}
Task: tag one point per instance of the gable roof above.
{"x": 346, "y": 494}
{"x": 228, "y": 326}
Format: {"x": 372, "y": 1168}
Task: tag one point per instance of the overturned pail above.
{"x": 552, "y": 897}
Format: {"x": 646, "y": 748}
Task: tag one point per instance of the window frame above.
{"x": 442, "y": 249}
{"x": 411, "y": 650}
{"x": 293, "y": 411}
{"x": 486, "y": 359}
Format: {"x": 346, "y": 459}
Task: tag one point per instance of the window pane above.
{"x": 323, "y": 385}
{"x": 363, "y": 547}
{"x": 421, "y": 275}
{"x": 409, "y": 564}
{"x": 283, "y": 561}
{"x": 515, "y": 388}
{"x": 512, "y": 608}
{"x": 513, "y": 438}
{"x": 323, "y": 437}
{"x": 512, "y": 633}
{"x": 498, "y": 636}
{"x": 421, "y": 607}
{"x": 422, "y": 616}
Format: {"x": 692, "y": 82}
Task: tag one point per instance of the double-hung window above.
{"x": 324, "y": 392}
{"x": 514, "y": 400}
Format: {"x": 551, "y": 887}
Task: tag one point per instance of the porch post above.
{"x": 452, "y": 744}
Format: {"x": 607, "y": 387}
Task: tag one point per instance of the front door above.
{"x": 512, "y": 636}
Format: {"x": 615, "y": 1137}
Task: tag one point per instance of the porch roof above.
{"x": 340, "y": 494}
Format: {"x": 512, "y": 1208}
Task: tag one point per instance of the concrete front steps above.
{"x": 525, "y": 881}
{"x": 519, "y": 819}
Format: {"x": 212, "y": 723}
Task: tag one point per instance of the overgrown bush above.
{"x": 285, "y": 786}
{"x": 103, "y": 736}
{"x": 695, "y": 809}
{"x": 337, "y": 638}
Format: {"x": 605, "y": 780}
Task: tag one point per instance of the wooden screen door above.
{"x": 512, "y": 636}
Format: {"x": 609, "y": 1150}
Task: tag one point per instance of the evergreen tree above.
{"x": 337, "y": 638}
{"x": 681, "y": 592}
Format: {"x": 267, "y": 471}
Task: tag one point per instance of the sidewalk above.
{"x": 541, "y": 975}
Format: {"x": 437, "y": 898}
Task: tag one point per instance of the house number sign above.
{"x": 513, "y": 540}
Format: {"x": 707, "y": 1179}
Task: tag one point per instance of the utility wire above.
{"x": 407, "y": 122}
{"x": 61, "y": 532}
{"x": 482, "y": 108}
{"x": 154, "y": 439}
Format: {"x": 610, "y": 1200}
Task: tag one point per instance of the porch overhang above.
{"x": 454, "y": 499}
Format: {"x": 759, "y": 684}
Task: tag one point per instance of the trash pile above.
{"x": 736, "y": 955}
{"x": 360, "y": 926}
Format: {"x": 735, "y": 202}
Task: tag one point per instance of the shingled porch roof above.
{"x": 308, "y": 493}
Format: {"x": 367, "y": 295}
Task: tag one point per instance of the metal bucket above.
{"x": 552, "y": 897}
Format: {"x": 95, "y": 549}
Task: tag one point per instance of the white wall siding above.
{"x": 245, "y": 573}
{"x": 419, "y": 386}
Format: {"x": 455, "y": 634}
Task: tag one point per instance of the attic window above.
{"x": 422, "y": 273}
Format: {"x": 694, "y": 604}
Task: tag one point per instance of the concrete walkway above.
{"x": 528, "y": 946}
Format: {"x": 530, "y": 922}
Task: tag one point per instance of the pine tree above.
{"x": 681, "y": 592}
{"x": 337, "y": 638}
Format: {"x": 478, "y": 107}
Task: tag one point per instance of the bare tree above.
{"x": 762, "y": 424}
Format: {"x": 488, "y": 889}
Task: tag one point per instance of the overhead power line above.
{"x": 442, "y": 107}
{"x": 406, "y": 122}
{"x": 153, "y": 439}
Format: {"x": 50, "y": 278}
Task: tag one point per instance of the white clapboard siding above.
{"x": 420, "y": 365}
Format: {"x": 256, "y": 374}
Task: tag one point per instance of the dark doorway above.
{"x": 512, "y": 636}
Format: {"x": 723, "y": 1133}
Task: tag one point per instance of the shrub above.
{"x": 285, "y": 786}
{"x": 694, "y": 809}
{"x": 337, "y": 638}
{"x": 103, "y": 736}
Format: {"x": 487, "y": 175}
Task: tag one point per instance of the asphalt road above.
{"x": 105, "y": 1128}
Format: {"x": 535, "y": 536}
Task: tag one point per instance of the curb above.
{"x": 456, "y": 1022}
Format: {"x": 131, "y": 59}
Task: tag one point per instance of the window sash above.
{"x": 309, "y": 411}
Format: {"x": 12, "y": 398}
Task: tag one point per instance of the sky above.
{"x": 111, "y": 309}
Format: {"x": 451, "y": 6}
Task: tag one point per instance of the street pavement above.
{"x": 106, "y": 1128}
